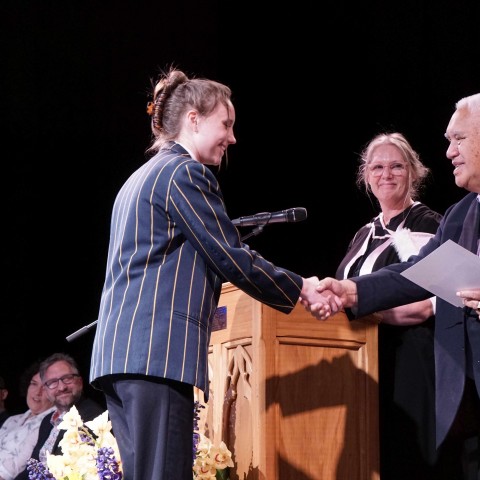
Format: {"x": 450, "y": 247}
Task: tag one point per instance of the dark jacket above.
{"x": 454, "y": 326}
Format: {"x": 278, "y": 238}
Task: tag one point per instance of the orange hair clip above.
{"x": 150, "y": 108}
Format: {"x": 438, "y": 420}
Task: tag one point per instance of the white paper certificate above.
{"x": 447, "y": 270}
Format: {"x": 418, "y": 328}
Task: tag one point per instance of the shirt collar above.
{"x": 186, "y": 149}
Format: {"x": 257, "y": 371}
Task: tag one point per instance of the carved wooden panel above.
{"x": 293, "y": 398}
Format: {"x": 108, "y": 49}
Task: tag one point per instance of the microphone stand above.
{"x": 255, "y": 231}
{"x": 81, "y": 331}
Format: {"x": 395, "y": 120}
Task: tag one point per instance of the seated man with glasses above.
{"x": 64, "y": 387}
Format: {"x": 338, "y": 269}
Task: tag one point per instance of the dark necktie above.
{"x": 470, "y": 235}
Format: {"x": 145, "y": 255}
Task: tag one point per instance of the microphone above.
{"x": 291, "y": 215}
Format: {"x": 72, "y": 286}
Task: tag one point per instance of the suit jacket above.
{"x": 88, "y": 409}
{"x": 172, "y": 245}
{"x": 386, "y": 288}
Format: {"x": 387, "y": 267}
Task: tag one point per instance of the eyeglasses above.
{"x": 66, "y": 380}
{"x": 396, "y": 169}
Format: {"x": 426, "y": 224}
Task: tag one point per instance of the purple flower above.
{"x": 107, "y": 465}
{"x": 38, "y": 471}
{"x": 196, "y": 436}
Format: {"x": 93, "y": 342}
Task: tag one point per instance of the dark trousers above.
{"x": 463, "y": 439}
{"x": 152, "y": 420}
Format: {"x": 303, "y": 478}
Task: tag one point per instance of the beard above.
{"x": 66, "y": 399}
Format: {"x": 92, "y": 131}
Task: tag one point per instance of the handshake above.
{"x": 323, "y": 298}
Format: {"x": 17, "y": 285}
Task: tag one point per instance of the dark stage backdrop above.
{"x": 312, "y": 83}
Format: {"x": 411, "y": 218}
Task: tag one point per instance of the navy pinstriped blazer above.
{"x": 172, "y": 245}
{"x": 451, "y": 322}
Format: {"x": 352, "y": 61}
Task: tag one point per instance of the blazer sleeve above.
{"x": 195, "y": 205}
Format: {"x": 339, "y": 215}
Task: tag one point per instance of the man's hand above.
{"x": 471, "y": 298}
{"x": 336, "y": 295}
{"x": 320, "y": 305}
{"x": 344, "y": 290}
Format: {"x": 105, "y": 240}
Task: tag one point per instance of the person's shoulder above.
{"x": 14, "y": 419}
{"x": 423, "y": 219}
{"x": 3, "y": 416}
{"x": 7, "y": 424}
{"x": 47, "y": 413}
{"x": 46, "y": 424}
{"x": 190, "y": 171}
{"x": 463, "y": 204}
{"x": 171, "y": 162}
{"x": 425, "y": 210}
{"x": 421, "y": 210}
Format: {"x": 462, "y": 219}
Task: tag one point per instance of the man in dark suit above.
{"x": 64, "y": 385}
{"x": 457, "y": 330}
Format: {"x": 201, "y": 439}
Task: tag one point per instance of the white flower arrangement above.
{"x": 211, "y": 462}
{"x": 90, "y": 452}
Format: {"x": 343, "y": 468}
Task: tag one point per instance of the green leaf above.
{"x": 223, "y": 474}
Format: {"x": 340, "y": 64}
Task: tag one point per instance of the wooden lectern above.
{"x": 293, "y": 398}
